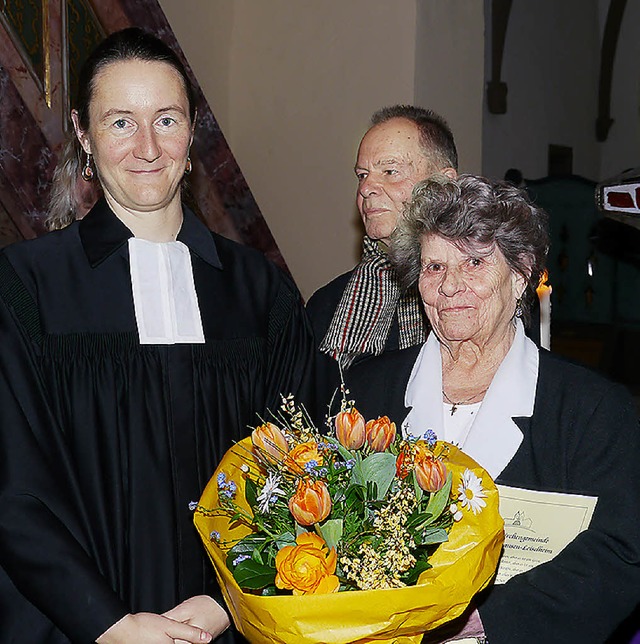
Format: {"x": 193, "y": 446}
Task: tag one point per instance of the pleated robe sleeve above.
{"x": 290, "y": 349}
{"x": 44, "y": 547}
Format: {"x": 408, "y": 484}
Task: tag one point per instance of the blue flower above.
{"x": 310, "y": 465}
{"x": 430, "y": 437}
{"x": 214, "y": 535}
{"x": 226, "y": 488}
{"x": 193, "y": 505}
{"x": 240, "y": 558}
{"x": 350, "y": 463}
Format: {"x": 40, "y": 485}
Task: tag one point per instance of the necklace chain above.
{"x": 455, "y": 405}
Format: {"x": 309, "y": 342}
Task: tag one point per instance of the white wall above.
{"x": 550, "y": 65}
{"x": 621, "y": 150}
{"x": 552, "y": 68}
{"x": 450, "y": 71}
{"x": 305, "y": 78}
{"x": 293, "y": 84}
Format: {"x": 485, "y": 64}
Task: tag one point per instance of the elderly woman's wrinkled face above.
{"x": 139, "y": 133}
{"x": 468, "y": 296}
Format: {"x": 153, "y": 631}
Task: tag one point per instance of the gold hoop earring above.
{"x": 189, "y": 166}
{"x": 87, "y": 171}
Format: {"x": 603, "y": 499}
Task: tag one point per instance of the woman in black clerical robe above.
{"x": 135, "y": 347}
{"x": 476, "y": 249}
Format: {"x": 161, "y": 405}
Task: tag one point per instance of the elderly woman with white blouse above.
{"x": 477, "y": 249}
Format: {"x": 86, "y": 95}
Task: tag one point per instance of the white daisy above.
{"x": 471, "y": 493}
{"x": 268, "y": 493}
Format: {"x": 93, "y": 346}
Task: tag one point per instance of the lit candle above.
{"x": 544, "y": 296}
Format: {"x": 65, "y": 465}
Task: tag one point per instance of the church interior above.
{"x": 544, "y": 94}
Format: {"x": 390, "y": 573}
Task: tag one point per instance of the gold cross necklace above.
{"x": 455, "y": 405}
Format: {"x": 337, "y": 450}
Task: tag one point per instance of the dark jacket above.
{"x": 582, "y": 438}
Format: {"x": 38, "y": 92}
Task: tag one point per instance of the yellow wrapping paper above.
{"x": 460, "y": 568}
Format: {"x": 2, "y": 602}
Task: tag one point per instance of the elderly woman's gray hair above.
{"x": 475, "y": 214}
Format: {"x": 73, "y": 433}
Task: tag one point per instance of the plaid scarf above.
{"x": 365, "y": 313}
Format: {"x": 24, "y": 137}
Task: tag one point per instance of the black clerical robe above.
{"x": 104, "y": 441}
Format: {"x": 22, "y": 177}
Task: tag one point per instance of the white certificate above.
{"x": 537, "y": 526}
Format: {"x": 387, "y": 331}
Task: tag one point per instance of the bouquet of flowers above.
{"x": 293, "y": 517}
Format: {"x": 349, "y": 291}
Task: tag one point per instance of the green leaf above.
{"x": 257, "y": 557}
{"x": 431, "y": 536}
{"x": 354, "y": 499}
{"x": 286, "y": 539}
{"x": 357, "y": 475}
{"x": 379, "y": 468}
{"x": 343, "y": 451}
{"x": 440, "y": 500}
{"x": 412, "y": 576}
{"x": 246, "y": 546}
{"x": 331, "y": 531}
{"x": 251, "y": 492}
{"x": 419, "y": 492}
{"x": 252, "y": 575}
{"x": 418, "y": 520}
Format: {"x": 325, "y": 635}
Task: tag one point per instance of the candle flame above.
{"x": 543, "y": 285}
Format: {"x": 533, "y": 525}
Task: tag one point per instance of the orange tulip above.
{"x": 404, "y": 461}
{"x": 350, "y": 429}
{"x": 311, "y": 502}
{"x": 431, "y": 473}
{"x": 302, "y": 454}
{"x": 380, "y": 433}
{"x": 307, "y": 568}
{"x": 269, "y": 440}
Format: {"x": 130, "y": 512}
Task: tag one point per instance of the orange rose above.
{"x": 302, "y": 454}
{"x": 307, "y": 568}
{"x": 380, "y": 433}
{"x": 431, "y": 473}
{"x": 311, "y": 503}
{"x": 269, "y": 440}
{"x": 350, "y": 430}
